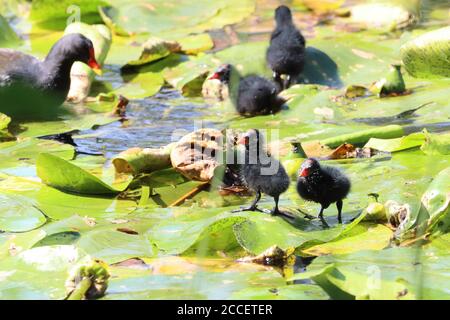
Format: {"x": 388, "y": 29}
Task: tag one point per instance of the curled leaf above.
{"x": 354, "y": 91}
{"x": 436, "y": 201}
{"x": 375, "y": 212}
{"x": 436, "y": 144}
{"x": 138, "y": 160}
{"x": 154, "y": 49}
{"x": 361, "y": 137}
{"x": 428, "y": 56}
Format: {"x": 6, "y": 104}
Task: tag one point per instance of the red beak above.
{"x": 215, "y": 75}
{"x": 93, "y": 64}
{"x": 304, "y": 172}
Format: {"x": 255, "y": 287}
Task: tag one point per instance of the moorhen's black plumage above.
{"x": 261, "y": 172}
{"x": 30, "y": 84}
{"x": 286, "y": 53}
{"x": 322, "y": 184}
{"x": 251, "y": 95}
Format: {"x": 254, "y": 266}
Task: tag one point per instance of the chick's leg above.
{"x": 252, "y": 207}
{"x": 320, "y": 216}
{"x": 339, "y": 207}
{"x": 275, "y": 210}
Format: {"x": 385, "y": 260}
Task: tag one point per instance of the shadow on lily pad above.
{"x": 320, "y": 69}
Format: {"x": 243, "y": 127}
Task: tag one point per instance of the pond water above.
{"x": 150, "y": 123}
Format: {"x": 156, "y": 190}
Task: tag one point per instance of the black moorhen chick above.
{"x": 251, "y": 95}
{"x": 322, "y": 184}
{"x": 261, "y": 172}
{"x": 30, "y": 84}
{"x": 286, "y": 53}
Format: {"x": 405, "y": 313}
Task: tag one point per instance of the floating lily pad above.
{"x": 436, "y": 144}
{"x": 436, "y": 203}
{"x": 368, "y": 237}
{"x": 19, "y": 157}
{"x": 413, "y": 140}
{"x": 114, "y": 246}
{"x": 184, "y": 17}
{"x": 388, "y": 274}
{"x": 25, "y": 276}
{"x": 63, "y": 175}
{"x": 67, "y": 122}
{"x": 18, "y": 215}
{"x": 56, "y": 15}
{"x": 59, "y": 205}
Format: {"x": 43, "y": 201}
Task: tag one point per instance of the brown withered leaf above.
{"x": 196, "y": 155}
{"x": 349, "y": 151}
{"x": 127, "y": 231}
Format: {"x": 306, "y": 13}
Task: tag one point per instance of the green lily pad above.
{"x": 25, "y": 276}
{"x": 413, "y": 140}
{"x": 194, "y": 44}
{"x": 19, "y": 157}
{"x": 140, "y": 86}
{"x": 368, "y": 237}
{"x": 63, "y": 175}
{"x": 155, "y": 49}
{"x": 363, "y": 136}
{"x": 67, "y": 122}
{"x": 436, "y": 203}
{"x": 59, "y": 205}
{"x": 159, "y": 17}
{"x": 291, "y": 292}
{"x": 18, "y": 242}
{"x": 19, "y": 215}
{"x": 114, "y": 246}
{"x": 436, "y": 144}
{"x": 217, "y": 280}
{"x": 56, "y": 15}
{"x": 388, "y": 274}
{"x": 193, "y": 228}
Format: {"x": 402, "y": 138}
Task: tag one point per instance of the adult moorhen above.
{"x": 322, "y": 184}
{"x": 286, "y": 53}
{"x": 261, "y": 172}
{"x": 30, "y": 85}
{"x": 251, "y": 95}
